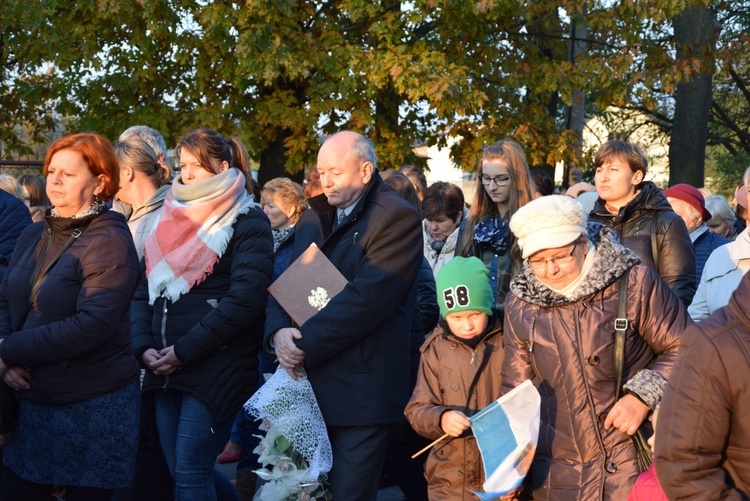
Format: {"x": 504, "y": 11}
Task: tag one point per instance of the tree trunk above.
{"x": 576, "y": 111}
{"x": 695, "y": 33}
{"x": 273, "y": 160}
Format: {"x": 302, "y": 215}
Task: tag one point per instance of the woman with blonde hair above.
{"x": 504, "y": 186}
{"x": 143, "y": 186}
{"x": 9, "y": 184}
{"x": 283, "y": 202}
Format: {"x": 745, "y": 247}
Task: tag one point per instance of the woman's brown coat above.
{"x": 703, "y": 439}
{"x": 566, "y": 346}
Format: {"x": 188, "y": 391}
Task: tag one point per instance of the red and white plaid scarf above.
{"x": 192, "y": 232}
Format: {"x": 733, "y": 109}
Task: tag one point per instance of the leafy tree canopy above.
{"x": 280, "y": 74}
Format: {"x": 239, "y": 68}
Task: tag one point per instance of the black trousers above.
{"x": 358, "y": 458}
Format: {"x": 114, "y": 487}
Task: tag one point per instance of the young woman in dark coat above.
{"x": 198, "y": 316}
{"x": 65, "y": 335}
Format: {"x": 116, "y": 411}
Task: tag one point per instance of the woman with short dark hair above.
{"x": 639, "y": 214}
{"x": 443, "y": 212}
{"x": 34, "y": 189}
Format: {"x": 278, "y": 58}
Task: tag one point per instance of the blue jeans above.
{"x": 191, "y": 439}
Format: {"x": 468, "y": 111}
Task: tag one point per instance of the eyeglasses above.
{"x": 541, "y": 264}
{"x": 499, "y": 181}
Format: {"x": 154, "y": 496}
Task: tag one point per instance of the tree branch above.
{"x": 742, "y": 136}
{"x": 740, "y": 83}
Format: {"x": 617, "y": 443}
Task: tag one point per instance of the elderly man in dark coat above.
{"x": 355, "y": 351}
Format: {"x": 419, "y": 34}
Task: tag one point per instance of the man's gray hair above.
{"x": 364, "y": 150}
{"x": 150, "y": 136}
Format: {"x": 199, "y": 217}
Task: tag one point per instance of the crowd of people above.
{"x": 135, "y": 322}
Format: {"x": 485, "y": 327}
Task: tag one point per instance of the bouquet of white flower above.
{"x": 295, "y": 451}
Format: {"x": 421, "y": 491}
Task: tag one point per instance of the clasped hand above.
{"x": 163, "y": 362}
{"x": 16, "y": 377}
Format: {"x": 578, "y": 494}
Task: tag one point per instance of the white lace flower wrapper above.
{"x": 291, "y": 407}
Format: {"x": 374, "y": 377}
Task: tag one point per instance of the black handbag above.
{"x": 640, "y": 438}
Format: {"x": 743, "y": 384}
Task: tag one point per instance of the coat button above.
{"x": 454, "y": 387}
{"x": 453, "y": 346}
{"x": 593, "y": 360}
{"x": 460, "y": 471}
{"x": 611, "y": 467}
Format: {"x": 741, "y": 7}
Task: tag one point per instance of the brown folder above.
{"x": 307, "y": 285}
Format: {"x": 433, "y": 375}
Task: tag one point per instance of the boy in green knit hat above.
{"x": 459, "y": 375}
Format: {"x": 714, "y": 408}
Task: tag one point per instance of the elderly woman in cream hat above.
{"x": 559, "y": 332}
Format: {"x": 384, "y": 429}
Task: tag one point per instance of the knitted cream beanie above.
{"x": 548, "y": 223}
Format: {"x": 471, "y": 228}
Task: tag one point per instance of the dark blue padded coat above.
{"x": 76, "y": 338}
{"x": 14, "y": 217}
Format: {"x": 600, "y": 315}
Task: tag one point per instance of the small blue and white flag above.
{"x": 507, "y": 432}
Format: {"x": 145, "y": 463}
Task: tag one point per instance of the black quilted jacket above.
{"x": 217, "y": 327}
{"x": 649, "y": 214}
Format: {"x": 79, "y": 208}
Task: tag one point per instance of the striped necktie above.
{"x": 341, "y": 218}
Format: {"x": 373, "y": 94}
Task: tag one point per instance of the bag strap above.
{"x": 621, "y": 327}
{"x": 39, "y": 280}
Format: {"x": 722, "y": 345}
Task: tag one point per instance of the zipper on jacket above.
{"x": 164, "y": 335}
{"x": 437, "y": 258}
{"x": 590, "y": 400}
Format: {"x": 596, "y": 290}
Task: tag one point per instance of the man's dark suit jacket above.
{"x": 357, "y": 347}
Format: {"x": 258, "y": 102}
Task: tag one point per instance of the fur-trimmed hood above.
{"x": 611, "y": 261}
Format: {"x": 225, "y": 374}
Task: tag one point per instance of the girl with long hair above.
{"x": 504, "y": 185}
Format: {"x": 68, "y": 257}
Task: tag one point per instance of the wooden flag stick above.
{"x": 431, "y": 445}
